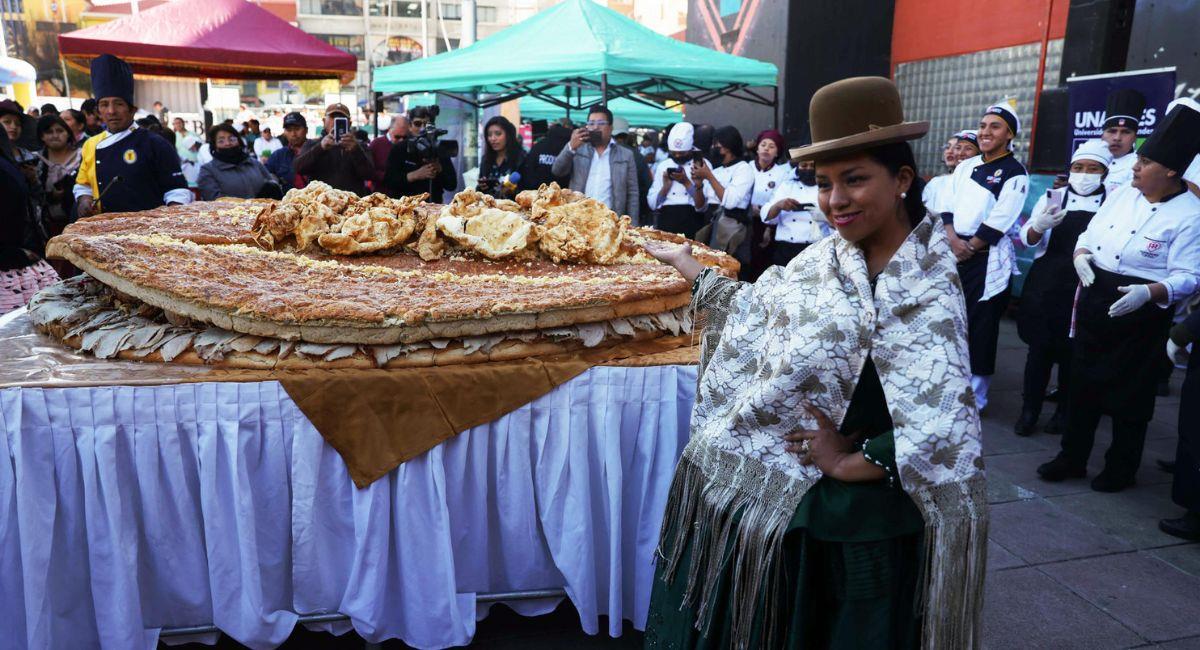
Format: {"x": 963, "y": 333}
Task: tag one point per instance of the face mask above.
{"x": 1084, "y": 183}
{"x": 806, "y": 176}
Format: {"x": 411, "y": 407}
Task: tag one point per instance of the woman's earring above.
{"x": 904, "y": 195}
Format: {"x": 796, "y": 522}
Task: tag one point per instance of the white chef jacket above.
{"x": 1120, "y": 172}
{"x": 985, "y": 201}
{"x": 738, "y": 180}
{"x": 1075, "y": 203}
{"x": 799, "y": 226}
{"x": 1159, "y": 242}
{"x": 677, "y": 194}
{"x": 767, "y": 180}
{"x": 936, "y": 192}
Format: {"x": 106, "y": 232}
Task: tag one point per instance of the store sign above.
{"x": 1087, "y": 95}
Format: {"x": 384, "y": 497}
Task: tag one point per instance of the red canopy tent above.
{"x": 222, "y": 39}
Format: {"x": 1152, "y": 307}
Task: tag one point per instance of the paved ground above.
{"x": 1068, "y": 567}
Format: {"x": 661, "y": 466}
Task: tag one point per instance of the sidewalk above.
{"x": 1068, "y": 567}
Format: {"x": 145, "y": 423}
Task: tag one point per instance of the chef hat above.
{"x": 1006, "y": 112}
{"x": 1093, "y": 150}
{"x": 970, "y": 135}
{"x": 1123, "y": 107}
{"x": 1192, "y": 174}
{"x": 112, "y": 77}
{"x": 1176, "y": 140}
{"x": 680, "y": 137}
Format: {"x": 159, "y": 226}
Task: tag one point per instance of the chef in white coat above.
{"x": 986, "y": 196}
{"x": 793, "y": 211}
{"x": 929, "y": 195}
{"x": 1048, "y": 295}
{"x": 1122, "y": 112}
{"x": 1138, "y": 258}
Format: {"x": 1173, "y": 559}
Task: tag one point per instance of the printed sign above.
{"x": 1087, "y": 95}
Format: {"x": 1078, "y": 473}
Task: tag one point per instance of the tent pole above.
{"x": 604, "y": 89}
{"x": 775, "y": 106}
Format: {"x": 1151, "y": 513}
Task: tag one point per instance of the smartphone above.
{"x": 677, "y": 172}
{"x": 341, "y": 126}
{"x": 1055, "y": 197}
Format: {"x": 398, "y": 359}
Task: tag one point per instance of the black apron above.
{"x": 680, "y": 219}
{"x": 1048, "y": 297}
{"x": 1117, "y": 361}
{"x": 983, "y": 317}
{"x": 1185, "y": 487}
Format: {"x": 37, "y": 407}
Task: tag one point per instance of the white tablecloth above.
{"x": 124, "y": 510}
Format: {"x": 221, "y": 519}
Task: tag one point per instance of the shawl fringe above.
{"x": 954, "y": 562}
{"x": 730, "y": 509}
{"x": 733, "y": 510}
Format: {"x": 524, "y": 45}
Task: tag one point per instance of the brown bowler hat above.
{"x": 855, "y": 114}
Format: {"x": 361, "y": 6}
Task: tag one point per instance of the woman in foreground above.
{"x": 832, "y": 494}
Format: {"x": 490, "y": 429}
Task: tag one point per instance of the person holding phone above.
{"x": 794, "y": 213}
{"x": 678, "y": 200}
{"x": 728, "y": 188}
{"x": 1048, "y": 296}
{"x": 598, "y": 167}
{"x": 1138, "y": 258}
{"x": 338, "y": 158}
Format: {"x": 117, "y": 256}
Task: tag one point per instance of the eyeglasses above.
{"x": 597, "y": 122}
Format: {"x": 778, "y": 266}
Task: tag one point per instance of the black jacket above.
{"x": 400, "y": 163}
{"x": 536, "y": 170}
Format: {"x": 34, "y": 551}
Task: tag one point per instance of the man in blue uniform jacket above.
{"x": 125, "y": 168}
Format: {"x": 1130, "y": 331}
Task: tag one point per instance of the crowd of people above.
{"x": 1116, "y": 241}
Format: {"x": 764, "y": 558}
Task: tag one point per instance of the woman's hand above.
{"x": 823, "y": 446}
{"x": 669, "y": 253}
{"x": 678, "y": 256}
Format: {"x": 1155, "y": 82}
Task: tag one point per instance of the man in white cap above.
{"x": 678, "y": 200}
{"x": 986, "y": 196}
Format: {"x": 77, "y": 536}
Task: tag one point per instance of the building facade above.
{"x": 387, "y": 32}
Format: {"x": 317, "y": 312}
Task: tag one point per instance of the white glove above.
{"x": 1177, "y": 355}
{"x": 1135, "y": 296}
{"x": 1083, "y": 267}
{"x": 1049, "y": 217}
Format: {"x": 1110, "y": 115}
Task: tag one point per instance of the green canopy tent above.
{"x": 636, "y": 113}
{"x": 578, "y": 54}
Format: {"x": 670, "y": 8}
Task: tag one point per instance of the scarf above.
{"x": 232, "y": 156}
{"x": 803, "y": 333}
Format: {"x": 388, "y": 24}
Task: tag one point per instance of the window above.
{"x": 482, "y": 14}
{"x": 402, "y": 49}
{"x": 332, "y": 7}
{"x": 400, "y": 8}
{"x": 351, "y": 44}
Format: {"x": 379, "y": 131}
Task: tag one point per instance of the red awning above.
{"x": 222, "y": 39}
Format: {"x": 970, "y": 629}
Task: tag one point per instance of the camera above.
{"x": 427, "y": 146}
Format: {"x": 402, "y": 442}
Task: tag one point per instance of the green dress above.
{"x": 851, "y": 558}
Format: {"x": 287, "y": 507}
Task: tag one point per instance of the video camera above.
{"x": 427, "y": 145}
